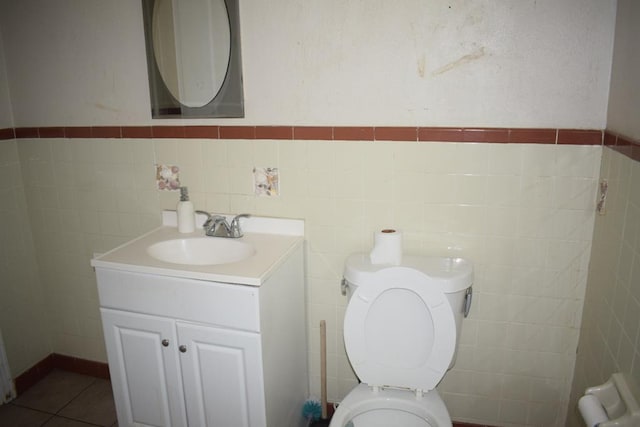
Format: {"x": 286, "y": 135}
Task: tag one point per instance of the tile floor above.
{"x": 62, "y": 399}
{"x": 66, "y": 399}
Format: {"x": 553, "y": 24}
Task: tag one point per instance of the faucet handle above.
{"x": 235, "y": 225}
{"x": 207, "y": 222}
{"x": 217, "y": 226}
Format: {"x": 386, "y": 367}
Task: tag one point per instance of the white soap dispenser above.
{"x": 186, "y": 214}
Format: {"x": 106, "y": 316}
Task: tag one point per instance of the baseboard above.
{"x": 59, "y": 361}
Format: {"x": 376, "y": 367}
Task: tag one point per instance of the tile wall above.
{"x": 522, "y": 212}
{"x": 84, "y": 196}
{"x": 609, "y": 340}
{"x": 22, "y": 301}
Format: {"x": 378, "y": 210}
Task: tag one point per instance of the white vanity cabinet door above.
{"x": 145, "y": 369}
{"x": 222, "y": 376}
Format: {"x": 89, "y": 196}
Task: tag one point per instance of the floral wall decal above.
{"x": 266, "y": 181}
{"x": 168, "y": 177}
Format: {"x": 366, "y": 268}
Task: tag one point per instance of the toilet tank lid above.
{"x": 449, "y": 273}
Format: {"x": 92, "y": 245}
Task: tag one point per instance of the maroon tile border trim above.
{"x": 313, "y": 132}
{"x": 390, "y": 133}
{"x": 8, "y": 133}
{"x": 440, "y": 134}
{"x": 579, "y": 137}
{"x": 237, "y": 132}
{"x": 205, "y": 132}
{"x": 59, "y": 361}
{"x": 623, "y": 145}
{"x": 485, "y": 135}
{"x": 136, "y": 132}
{"x": 27, "y": 133}
{"x": 609, "y": 139}
{"x": 77, "y": 132}
{"x": 353, "y": 133}
{"x": 167, "y": 131}
{"x": 52, "y": 132}
{"x": 533, "y": 136}
{"x": 106, "y": 132}
{"x": 322, "y": 133}
{"x": 274, "y": 132}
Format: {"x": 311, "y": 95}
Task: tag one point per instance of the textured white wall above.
{"x": 528, "y": 63}
{"x": 6, "y": 116}
{"x": 491, "y": 63}
{"x": 73, "y": 62}
{"x": 624, "y": 99}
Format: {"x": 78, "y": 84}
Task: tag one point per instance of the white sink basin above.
{"x": 201, "y": 251}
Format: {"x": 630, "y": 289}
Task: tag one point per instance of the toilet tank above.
{"x": 454, "y": 276}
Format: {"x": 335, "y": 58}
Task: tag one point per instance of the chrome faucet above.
{"x": 217, "y": 225}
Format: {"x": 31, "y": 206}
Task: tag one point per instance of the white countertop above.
{"x": 271, "y": 250}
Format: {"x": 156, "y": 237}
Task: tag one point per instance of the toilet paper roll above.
{"x": 591, "y": 410}
{"x": 387, "y": 247}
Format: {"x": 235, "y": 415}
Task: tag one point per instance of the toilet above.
{"x": 401, "y": 332}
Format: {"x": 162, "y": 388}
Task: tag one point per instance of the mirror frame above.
{"x": 228, "y": 102}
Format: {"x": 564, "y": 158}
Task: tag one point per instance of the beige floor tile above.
{"x": 54, "y": 391}
{"x": 94, "y": 405}
{"x": 65, "y": 422}
{"x": 16, "y": 416}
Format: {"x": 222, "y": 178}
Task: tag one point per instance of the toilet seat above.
{"x": 363, "y": 407}
{"x": 399, "y": 330}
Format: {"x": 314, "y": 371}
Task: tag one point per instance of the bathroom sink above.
{"x": 201, "y": 251}
{"x": 248, "y": 260}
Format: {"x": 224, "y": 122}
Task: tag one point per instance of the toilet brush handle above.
{"x": 323, "y": 368}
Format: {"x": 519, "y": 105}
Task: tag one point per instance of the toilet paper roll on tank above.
{"x": 387, "y": 247}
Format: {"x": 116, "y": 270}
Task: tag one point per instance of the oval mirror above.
{"x": 192, "y": 47}
{"x": 193, "y": 58}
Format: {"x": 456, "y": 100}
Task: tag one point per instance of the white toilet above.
{"x": 401, "y": 331}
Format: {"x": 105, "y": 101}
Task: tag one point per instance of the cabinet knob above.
{"x": 182, "y": 348}
{"x": 165, "y": 342}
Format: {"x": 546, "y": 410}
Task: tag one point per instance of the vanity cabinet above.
{"x": 190, "y": 352}
{"x": 168, "y": 371}
{"x": 145, "y": 368}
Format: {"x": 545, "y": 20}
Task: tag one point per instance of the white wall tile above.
{"x": 438, "y": 189}
{"x": 580, "y": 162}
{"x": 505, "y": 159}
{"x": 320, "y": 154}
{"x": 513, "y": 411}
{"x": 471, "y": 189}
{"x": 24, "y": 315}
{"x": 611, "y": 303}
{"x": 471, "y": 159}
{"x": 438, "y": 158}
{"x": 539, "y": 160}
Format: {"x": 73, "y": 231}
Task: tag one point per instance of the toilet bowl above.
{"x": 390, "y": 407}
{"x": 401, "y": 332}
